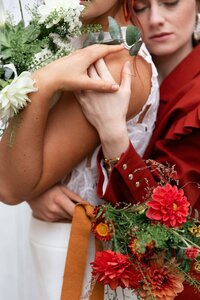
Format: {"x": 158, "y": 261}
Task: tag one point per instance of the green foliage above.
{"x": 133, "y": 37}
{"x": 19, "y": 43}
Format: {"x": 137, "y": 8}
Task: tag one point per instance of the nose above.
{"x": 156, "y": 16}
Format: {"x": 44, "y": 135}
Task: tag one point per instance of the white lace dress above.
{"x": 49, "y": 240}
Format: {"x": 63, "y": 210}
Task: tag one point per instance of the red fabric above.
{"x": 176, "y": 140}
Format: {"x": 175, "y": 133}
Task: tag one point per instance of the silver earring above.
{"x": 197, "y": 28}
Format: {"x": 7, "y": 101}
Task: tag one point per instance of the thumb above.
{"x": 126, "y": 76}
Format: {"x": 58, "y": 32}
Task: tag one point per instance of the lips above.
{"x": 160, "y": 35}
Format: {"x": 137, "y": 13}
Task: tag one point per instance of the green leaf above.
{"x": 101, "y": 36}
{"x": 5, "y": 54}
{"x": 30, "y": 34}
{"x": 135, "y": 48}
{"x": 20, "y": 26}
{"x": 3, "y": 83}
{"x": 90, "y": 40}
{"x": 132, "y": 35}
{"x": 111, "y": 42}
{"x": 196, "y": 215}
{"x": 114, "y": 29}
{"x": 4, "y": 40}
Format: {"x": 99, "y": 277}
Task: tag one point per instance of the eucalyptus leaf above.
{"x": 101, "y": 36}
{"x": 114, "y": 29}
{"x": 111, "y": 42}
{"x": 132, "y": 35}
{"x": 135, "y": 48}
{"x": 90, "y": 40}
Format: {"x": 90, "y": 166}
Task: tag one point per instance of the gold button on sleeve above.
{"x": 130, "y": 176}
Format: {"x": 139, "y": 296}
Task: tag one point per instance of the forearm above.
{"x": 21, "y": 147}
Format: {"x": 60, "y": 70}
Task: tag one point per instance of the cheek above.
{"x": 144, "y": 26}
{"x": 187, "y": 24}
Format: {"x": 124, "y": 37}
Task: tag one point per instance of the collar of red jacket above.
{"x": 188, "y": 69}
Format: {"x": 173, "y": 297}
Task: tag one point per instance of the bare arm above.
{"x": 59, "y": 144}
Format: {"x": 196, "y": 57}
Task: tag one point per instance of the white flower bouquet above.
{"x": 24, "y": 49}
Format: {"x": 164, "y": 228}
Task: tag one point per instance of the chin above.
{"x": 161, "y": 50}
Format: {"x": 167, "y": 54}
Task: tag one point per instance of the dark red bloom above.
{"x": 192, "y": 252}
{"x": 116, "y": 270}
{"x": 134, "y": 248}
{"x": 169, "y": 206}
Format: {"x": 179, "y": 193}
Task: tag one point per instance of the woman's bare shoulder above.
{"x": 141, "y": 74}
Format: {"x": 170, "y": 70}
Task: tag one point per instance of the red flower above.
{"x": 162, "y": 282}
{"x": 116, "y": 270}
{"x": 169, "y": 205}
{"x": 192, "y": 252}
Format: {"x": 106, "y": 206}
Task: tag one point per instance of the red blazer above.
{"x": 176, "y": 140}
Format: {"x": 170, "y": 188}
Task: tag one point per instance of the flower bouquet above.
{"x": 47, "y": 37}
{"x": 152, "y": 247}
{"x": 24, "y": 49}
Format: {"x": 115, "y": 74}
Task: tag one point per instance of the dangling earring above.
{"x": 128, "y": 5}
{"x": 197, "y": 28}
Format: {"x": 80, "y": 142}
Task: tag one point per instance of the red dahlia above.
{"x": 169, "y": 205}
{"x": 115, "y": 270}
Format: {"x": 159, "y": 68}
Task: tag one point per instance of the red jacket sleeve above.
{"x": 175, "y": 141}
{"x": 127, "y": 180}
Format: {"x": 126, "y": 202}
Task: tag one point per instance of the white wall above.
{"x": 18, "y": 8}
{"x": 17, "y": 281}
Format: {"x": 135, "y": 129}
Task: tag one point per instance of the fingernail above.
{"x": 115, "y": 86}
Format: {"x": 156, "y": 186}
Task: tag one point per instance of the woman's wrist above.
{"x": 46, "y": 82}
{"x": 114, "y": 142}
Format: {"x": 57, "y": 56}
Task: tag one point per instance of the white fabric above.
{"x": 50, "y": 256}
{"x": 17, "y": 277}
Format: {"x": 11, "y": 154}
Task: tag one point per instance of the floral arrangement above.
{"x": 151, "y": 248}
{"x": 47, "y": 37}
{"x": 24, "y": 49}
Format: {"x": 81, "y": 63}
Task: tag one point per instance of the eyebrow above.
{"x": 141, "y": 1}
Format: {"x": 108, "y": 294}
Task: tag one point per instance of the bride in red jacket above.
{"x": 172, "y": 39}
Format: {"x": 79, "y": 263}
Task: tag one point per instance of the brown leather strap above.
{"x": 77, "y": 255}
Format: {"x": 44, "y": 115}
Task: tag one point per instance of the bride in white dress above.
{"x": 49, "y": 240}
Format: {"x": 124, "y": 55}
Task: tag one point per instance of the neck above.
{"x": 167, "y": 63}
{"x": 116, "y": 12}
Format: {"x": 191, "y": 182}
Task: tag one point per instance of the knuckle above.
{"x": 52, "y": 208}
{"x": 56, "y": 199}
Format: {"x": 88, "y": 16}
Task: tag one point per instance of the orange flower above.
{"x": 102, "y": 231}
{"x": 162, "y": 282}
